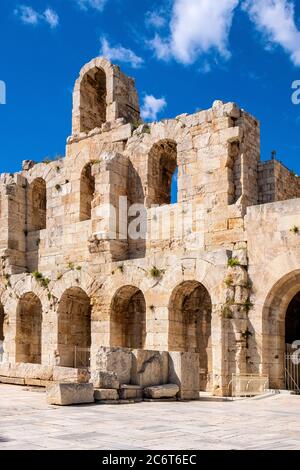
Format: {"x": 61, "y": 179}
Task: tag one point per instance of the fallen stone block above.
{"x": 26, "y": 370}
{"x": 101, "y": 379}
{"x": 128, "y": 392}
{"x": 184, "y": 371}
{"x": 161, "y": 391}
{"x": 37, "y": 382}
{"x": 70, "y": 375}
{"x": 70, "y": 394}
{"x": 149, "y": 367}
{"x": 101, "y": 394}
{"x": 118, "y": 360}
{"x": 12, "y": 380}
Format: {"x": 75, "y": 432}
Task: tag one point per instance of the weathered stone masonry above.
{"x": 222, "y": 289}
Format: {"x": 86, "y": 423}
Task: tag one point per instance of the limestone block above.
{"x": 128, "y": 392}
{"x": 118, "y": 360}
{"x": 161, "y": 391}
{"x": 184, "y": 371}
{"x": 232, "y": 110}
{"x": 27, "y": 165}
{"x": 104, "y": 380}
{"x": 218, "y": 108}
{"x": 29, "y": 371}
{"x": 149, "y": 367}
{"x": 37, "y": 382}
{"x": 241, "y": 256}
{"x": 70, "y": 375}
{"x": 105, "y": 394}
{"x": 241, "y": 295}
{"x": 239, "y": 275}
{"x": 121, "y": 133}
{"x": 12, "y": 380}
{"x": 69, "y": 394}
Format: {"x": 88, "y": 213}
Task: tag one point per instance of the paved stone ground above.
{"x": 27, "y": 422}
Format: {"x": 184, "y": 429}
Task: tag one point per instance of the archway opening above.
{"x": 37, "y": 207}
{"x": 292, "y": 322}
{"x": 162, "y": 179}
{"x": 128, "y": 318}
{"x": 87, "y": 192}
{"x": 29, "y": 329}
{"x": 93, "y": 100}
{"x": 1, "y": 331}
{"x": 174, "y": 187}
{"x": 280, "y": 328}
{"x": 74, "y": 328}
{"x": 190, "y": 311}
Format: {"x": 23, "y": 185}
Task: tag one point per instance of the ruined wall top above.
{"x": 102, "y": 93}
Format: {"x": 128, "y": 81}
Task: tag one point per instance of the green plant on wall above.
{"x": 233, "y": 262}
{"x": 156, "y": 273}
{"x": 295, "y": 229}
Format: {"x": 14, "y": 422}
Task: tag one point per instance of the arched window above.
{"x": 37, "y": 205}
{"x": 174, "y": 187}
{"x": 74, "y": 328}
{"x": 128, "y": 318}
{"x": 162, "y": 173}
{"x": 29, "y": 329}
{"x": 87, "y": 192}
{"x": 234, "y": 173}
{"x": 92, "y": 100}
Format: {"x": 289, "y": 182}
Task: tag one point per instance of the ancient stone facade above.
{"x": 94, "y": 254}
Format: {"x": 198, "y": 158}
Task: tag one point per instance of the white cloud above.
{"x": 161, "y": 47}
{"x": 196, "y": 27}
{"x": 96, "y": 4}
{"x": 205, "y": 67}
{"x": 276, "y": 20}
{"x": 27, "y": 14}
{"x": 30, "y": 16}
{"x": 120, "y": 54}
{"x": 152, "y": 107}
{"x": 155, "y": 19}
{"x": 51, "y": 17}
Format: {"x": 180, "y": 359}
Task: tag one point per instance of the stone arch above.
{"x": 29, "y": 329}
{"x": 275, "y": 309}
{"x": 102, "y": 93}
{"x": 93, "y": 95}
{"x": 190, "y": 314}
{"x": 162, "y": 164}
{"x": 37, "y": 205}
{"x": 128, "y": 318}
{"x": 87, "y": 192}
{"x": 74, "y": 328}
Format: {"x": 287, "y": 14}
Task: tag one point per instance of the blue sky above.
{"x": 184, "y": 54}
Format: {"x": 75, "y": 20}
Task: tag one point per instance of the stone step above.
{"x": 110, "y": 394}
{"x": 162, "y": 391}
{"x": 128, "y": 392}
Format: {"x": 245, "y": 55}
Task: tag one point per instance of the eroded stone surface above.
{"x": 161, "y": 391}
{"x": 105, "y": 394}
{"x": 116, "y": 360}
{"x": 69, "y": 394}
{"x": 105, "y": 380}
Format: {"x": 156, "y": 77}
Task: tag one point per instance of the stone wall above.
{"x": 199, "y": 281}
{"x": 276, "y": 182}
